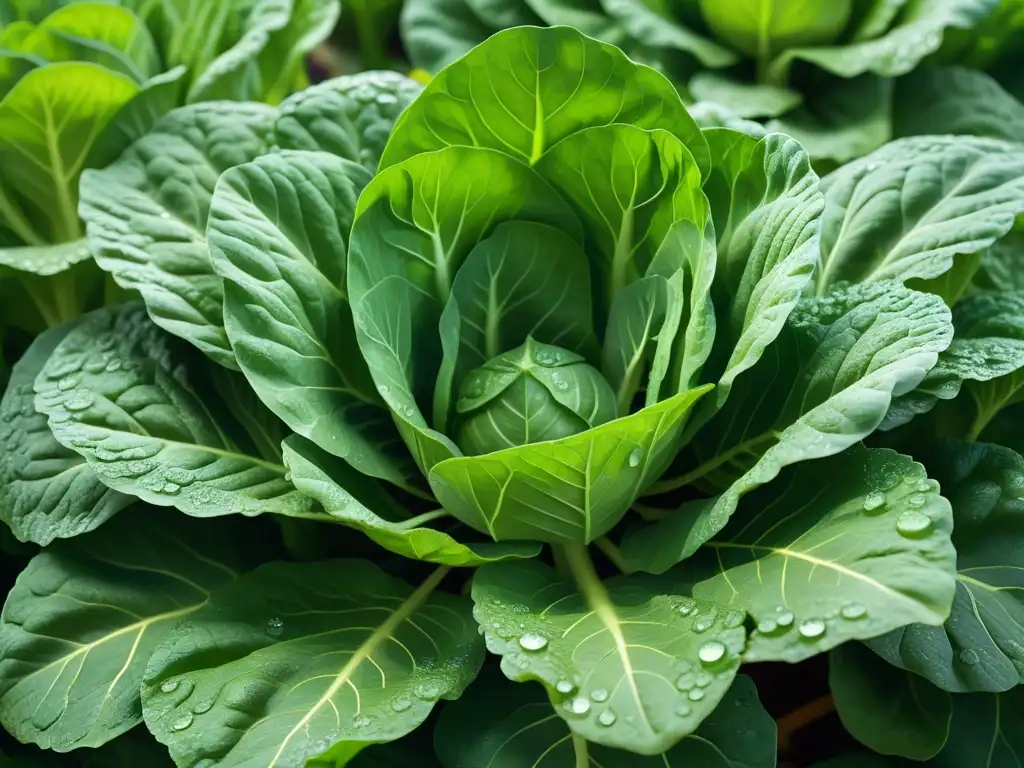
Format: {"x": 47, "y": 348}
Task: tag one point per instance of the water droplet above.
{"x": 853, "y": 611}
{"x": 767, "y": 626}
{"x": 275, "y": 627}
{"x": 687, "y": 608}
{"x": 401, "y": 704}
{"x": 702, "y": 625}
{"x": 578, "y": 706}
{"x": 171, "y": 488}
{"x": 565, "y": 687}
{"x": 686, "y": 681}
{"x": 531, "y": 641}
{"x": 733, "y": 619}
{"x": 924, "y": 486}
{"x": 635, "y": 456}
{"x": 599, "y": 695}
{"x": 361, "y": 721}
{"x": 169, "y": 686}
{"x": 711, "y": 652}
{"x": 912, "y": 524}
{"x": 428, "y": 690}
{"x": 704, "y": 679}
{"x": 202, "y": 707}
{"x": 696, "y": 694}
{"x": 811, "y": 629}
{"x": 917, "y": 500}
{"x": 683, "y": 709}
{"x": 785, "y": 619}
{"x": 969, "y": 657}
{"x": 874, "y": 501}
{"x": 606, "y": 718}
{"x": 383, "y": 389}
{"x": 182, "y": 722}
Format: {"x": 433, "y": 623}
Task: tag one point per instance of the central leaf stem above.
{"x": 579, "y": 745}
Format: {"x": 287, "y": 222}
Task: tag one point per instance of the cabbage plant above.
{"x": 79, "y": 81}
{"x": 820, "y": 71}
{"x": 549, "y": 373}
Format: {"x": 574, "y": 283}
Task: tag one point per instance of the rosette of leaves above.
{"x": 79, "y": 81}
{"x": 558, "y": 340}
{"x": 820, "y": 71}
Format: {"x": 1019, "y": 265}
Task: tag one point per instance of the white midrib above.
{"x": 365, "y": 651}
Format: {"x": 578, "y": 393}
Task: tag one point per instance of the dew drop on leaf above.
{"x": 853, "y": 611}
{"x": 275, "y": 626}
{"x": 969, "y": 657}
{"x": 702, "y": 625}
{"x": 606, "y": 718}
{"x": 704, "y": 680}
{"x": 686, "y": 681}
{"x": 599, "y": 695}
{"x": 531, "y": 641}
{"x": 182, "y": 722}
{"x": 917, "y": 500}
{"x": 428, "y": 691}
{"x": 635, "y": 456}
{"x": 811, "y": 629}
{"x": 711, "y": 652}
{"x": 683, "y": 709}
{"x": 361, "y": 721}
{"x": 874, "y": 501}
{"x": 686, "y": 608}
{"x": 696, "y": 694}
{"x": 401, "y": 704}
{"x": 785, "y": 619}
{"x": 767, "y": 626}
{"x": 565, "y": 687}
{"x": 912, "y": 524}
{"x": 578, "y": 706}
{"x": 169, "y": 686}
{"x": 202, "y": 707}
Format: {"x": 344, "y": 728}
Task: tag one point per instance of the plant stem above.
{"x": 650, "y": 514}
{"x": 579, "y": 745}
{"x": 612, "y": 552}
{"x": 800, "y": 718}
{"x": 581, "y": 567}
{"x": 426, "y": 517}
{"x": 674, "y": 483}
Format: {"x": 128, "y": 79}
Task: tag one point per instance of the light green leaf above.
{"x": 765, "y": 204}
{"x": 146, "y": 214}
{"x": 861, "y": 555}
{"x": 965, "y": 193}
{"x": 826, "y": 384}
{"x": 588, "y": 16}
{"x": 844, "y": 121}
{"x": 295, "y": 661}
{"x": 637, "y": 317}
{"x": 526, "y": 89}
{"x": 48, "y": 123}
{"x": 888, "y": 710}
{"x": 567, "y": 491}
{"x": 631, "y": 646}
{"x": 642, "y": 21}
{"x": 437, "y": 32}
{"x": 47, "y": 491}
{"x": 278, "y": 232}
{"x": 628, "y": 186}
{"x": 956, "y": 100}
{"x": 45, "y": 260}
{"x": 743, "y": 99}
{"x": 116, "y": 391}
{"x": 507, "y": 726}
{"x": 353, "y": 500}
{"x": 83, "y": 618}
{"x": 350, "y": 116}
{"x": 917, "y": 33}
{"x": 981, "y": 645}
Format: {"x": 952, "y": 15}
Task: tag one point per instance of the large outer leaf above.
{"x": 146, "y": 214}
{"x": 959, "y": 101}
{"x": 350, "y": 116}
{"x": 865, "y": 553}
{"x": 84, "y": 616}
{"x": 908, "y": 209}
{"x": 48, "y": 123}
{"x": 149, "y": 429}
{"x": 437, "y": 32}
{"x": 566, "y": 491}
{"x": 278, "y": 233}
{"x": 657, "y": 30}
{"x": 509, "y": 726}
{"x": 888, "y": 710}
{"x": 629, "y": 187}
{"x": 350, "y": 498}
{"x": 296, "y": 660}
{"x": 525, "y": 89}
{"x": 827, "y": 384}
{"x": 628, "y": 646}
{"x": 917, "y": 33}
{"x": 981, "y": 645}
{"x": 47, "y": 491}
